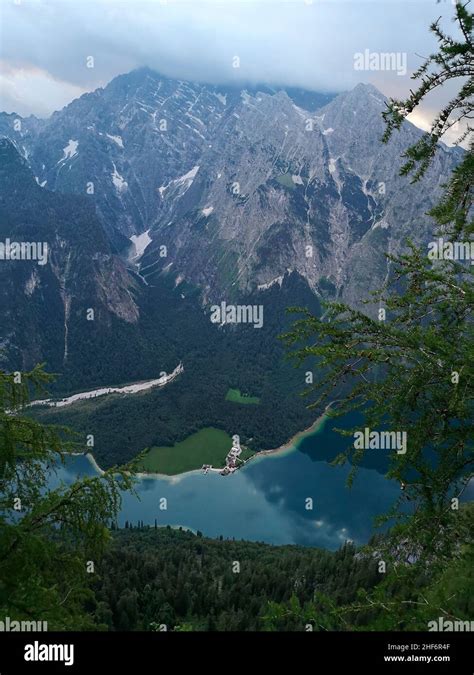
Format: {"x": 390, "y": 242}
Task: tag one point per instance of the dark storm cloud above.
{"x": 46, "y": 43}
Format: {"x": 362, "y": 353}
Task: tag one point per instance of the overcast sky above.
{"x": 45, "y": 44}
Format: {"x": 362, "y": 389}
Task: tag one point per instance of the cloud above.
{"x": 28, "y": 91}
{"x": 287, "y": 42}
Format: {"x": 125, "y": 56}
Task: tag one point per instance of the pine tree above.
{"x": 414, "y": 371}
{"x": 46, "y": 536}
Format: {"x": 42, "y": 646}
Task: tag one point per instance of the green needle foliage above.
{"x": 454, "y": 59}
{"x": 411, "y": 368}
{"x": 407, "y": 597}
{"x": 48, "y": 538}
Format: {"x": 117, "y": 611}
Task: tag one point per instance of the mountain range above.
{"x": 235, "y": 188}
{"x": 159, "y": 197}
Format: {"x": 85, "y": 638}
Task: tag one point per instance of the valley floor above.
{"x": 103, "y": 391}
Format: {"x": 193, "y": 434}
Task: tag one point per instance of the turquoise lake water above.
{"x": 267, "y": 499}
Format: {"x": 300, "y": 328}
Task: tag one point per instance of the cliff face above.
{"x": 157, "y": 198}
{"x": 73, "y": 280}
{"x": 228, "y": 192}
{"x": 283, "y": 189}
{"x": 236, "y": 188}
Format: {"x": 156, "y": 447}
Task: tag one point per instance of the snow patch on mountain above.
{"x": 116, "y": 139}
{"x": 269, "y": 284}
{"x": 183, "y": 183}
{"x": 381, "y": 223}
{"x": 32, "y": 283}
{"x": 70, "y": 150}
{"x": 120, "y": 183}
{"x": 140, "y": 241}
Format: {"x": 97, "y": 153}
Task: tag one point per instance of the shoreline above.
{"x": 288, "y": 446}
{"x": 292, "y": 443}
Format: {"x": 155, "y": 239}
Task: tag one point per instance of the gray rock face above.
{"x": 45, "y": 304}
{"x": 262, "y": 196}
{"x": 283, "y": 189}
{"x": 238, "y": 188}
{"x": 121, "y": 143}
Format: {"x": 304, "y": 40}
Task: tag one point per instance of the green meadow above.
{"x": 207, "y": 446}
{"x": 235, "y": 396}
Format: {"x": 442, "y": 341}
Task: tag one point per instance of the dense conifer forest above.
{"x": 171, "y": 579}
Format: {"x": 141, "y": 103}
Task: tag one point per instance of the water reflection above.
{"x": 265, "y": 501}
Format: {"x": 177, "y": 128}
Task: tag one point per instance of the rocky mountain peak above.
{"x": 238, "y": 184}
